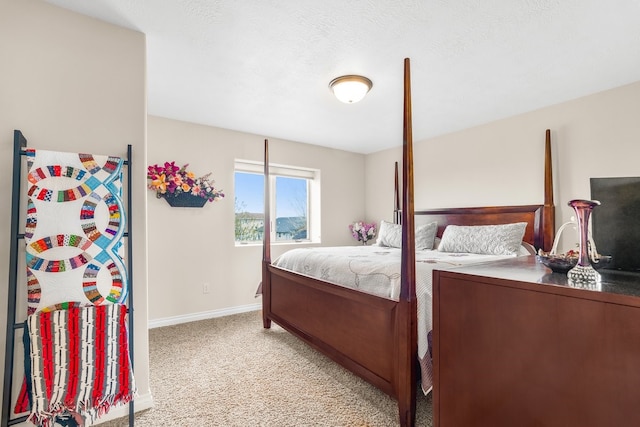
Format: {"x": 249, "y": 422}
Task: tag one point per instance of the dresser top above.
{"x": 528, "y": 269}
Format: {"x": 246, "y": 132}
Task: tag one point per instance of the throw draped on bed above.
{"x": 76, "y": 341}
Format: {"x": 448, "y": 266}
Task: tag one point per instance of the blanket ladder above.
{"x": 13, "y": 327}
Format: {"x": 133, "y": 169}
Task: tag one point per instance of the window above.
{"x": 294, "y": 203}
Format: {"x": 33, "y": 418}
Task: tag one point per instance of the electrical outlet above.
{"x": 205, "y": 288}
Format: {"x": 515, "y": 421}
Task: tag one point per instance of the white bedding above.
{"x": 376, "y": 270}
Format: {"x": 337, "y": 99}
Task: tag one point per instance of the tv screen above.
{"x": 616, "y": 222}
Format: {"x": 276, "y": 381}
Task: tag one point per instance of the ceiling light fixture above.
{"x": 351, "y": 88}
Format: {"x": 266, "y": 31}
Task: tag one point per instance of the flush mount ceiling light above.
{"x": 351, "y": 88}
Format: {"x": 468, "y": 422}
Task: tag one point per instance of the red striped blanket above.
{"x": 77, "y": 362}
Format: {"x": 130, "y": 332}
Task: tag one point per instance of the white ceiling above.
{"x": 263, "y": 66}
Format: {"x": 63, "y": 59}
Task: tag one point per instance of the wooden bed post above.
{"x": 549, "y": 214}
{"x": 406, "y": 325}
{"x": 266, "y": 244}
{"x": 396, "y": 198}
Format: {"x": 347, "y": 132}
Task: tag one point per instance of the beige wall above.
{"x": 71, "y": 83}
{"x": 188, "y": 247}
{"x": 502, "y": 162}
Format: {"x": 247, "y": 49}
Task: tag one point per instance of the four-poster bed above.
{"x": 372, "y": 336}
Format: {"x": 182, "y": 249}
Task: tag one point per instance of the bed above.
{"x": 373, "y": 336}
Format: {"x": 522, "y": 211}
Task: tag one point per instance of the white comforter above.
{"x": 376, "y": 270}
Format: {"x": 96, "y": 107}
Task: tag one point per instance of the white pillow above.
{"x": 503, "y": 239}
{"x": 390, "y": 235}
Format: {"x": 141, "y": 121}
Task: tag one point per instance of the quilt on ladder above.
{"x": 74, "y": 230}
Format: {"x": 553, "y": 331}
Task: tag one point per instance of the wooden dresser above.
{"x": 514, "y": 345}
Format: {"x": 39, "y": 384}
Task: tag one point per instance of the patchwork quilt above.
{"x": 74, "y": 230}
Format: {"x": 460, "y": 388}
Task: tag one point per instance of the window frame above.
{"x": 312, "y": 176}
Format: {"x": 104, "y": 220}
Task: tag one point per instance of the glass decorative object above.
{"x": 583, "y": 274}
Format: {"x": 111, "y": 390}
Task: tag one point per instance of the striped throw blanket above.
{"x": 77, "y": 362}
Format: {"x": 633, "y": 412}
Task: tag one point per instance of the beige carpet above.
{"x": 230, "y": 371}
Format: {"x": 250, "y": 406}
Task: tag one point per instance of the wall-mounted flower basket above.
{"x": 185, "y": 200}
{"x": 180, "y": 187}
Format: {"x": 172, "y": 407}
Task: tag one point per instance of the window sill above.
{"x": 292, "y": 243}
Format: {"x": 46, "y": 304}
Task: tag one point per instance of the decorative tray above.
{"x": 562, "y": 263}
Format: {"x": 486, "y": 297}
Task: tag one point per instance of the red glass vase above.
{"x": 583, "y": 274}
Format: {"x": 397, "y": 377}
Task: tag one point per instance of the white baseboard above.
{"x": 141, "y": 403}
{"x": 175, "y": 320}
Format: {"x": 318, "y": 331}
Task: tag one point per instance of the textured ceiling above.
{"x": 263, "y": 66}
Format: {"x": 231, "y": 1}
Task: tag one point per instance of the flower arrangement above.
{"x": 362, "y": 231}
{"x": 170, "y": 181}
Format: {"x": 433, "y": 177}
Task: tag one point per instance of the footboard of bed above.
{"x": 353, "y": 328}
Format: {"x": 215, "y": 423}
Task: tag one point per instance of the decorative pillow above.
{"x": 504, "y": 239}
{"x": 426, "y": 235}
{"x": 390, "y": 235}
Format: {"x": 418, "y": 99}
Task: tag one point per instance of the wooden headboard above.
{"x": 540, "y": 219}
{"x": 531, "y": 214}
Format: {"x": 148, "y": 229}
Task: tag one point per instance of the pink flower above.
{"x": 362, "y": 231}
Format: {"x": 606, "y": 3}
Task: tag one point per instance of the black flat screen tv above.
{"x": 616, "y": 222}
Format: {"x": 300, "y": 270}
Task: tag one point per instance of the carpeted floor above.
{"x": 229, "y": 371}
